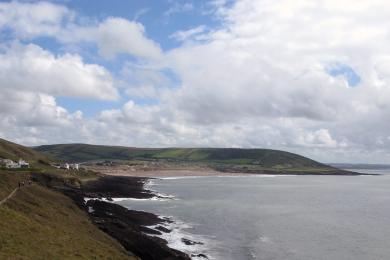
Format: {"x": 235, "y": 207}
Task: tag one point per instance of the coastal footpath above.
{"x": 40, "y": 223}
{"x": 67, "y": 213}
{"x": 51, "y": 219}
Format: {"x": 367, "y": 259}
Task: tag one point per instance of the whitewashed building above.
{"x": 65, "y": 166}
{"x": 74, "y": 166}
{"x": 23, "y": 164}
{"x": 9, "y": 164}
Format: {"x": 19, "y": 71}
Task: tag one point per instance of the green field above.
{"x": 220, "y": 159}
{"x": 265, "y": 158}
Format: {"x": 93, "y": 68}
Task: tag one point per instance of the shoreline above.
{"x": 131, "y": 228}
{"x": 136, "y": 231}
{"x": 166, "y": 173}
{"x": 161, "y": 173}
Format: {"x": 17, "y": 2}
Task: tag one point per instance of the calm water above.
{"x": 289, "y": 217}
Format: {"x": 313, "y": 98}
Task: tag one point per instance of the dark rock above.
{"x": 200, "y": 256}
{"x": 163, "y": 229}
{"x": 118, "y": 187}
{"x": 190, "y": 242}
{"x": 129, "y": 227}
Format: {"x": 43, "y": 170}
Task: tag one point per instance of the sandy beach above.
{"x": 159, "y": 173}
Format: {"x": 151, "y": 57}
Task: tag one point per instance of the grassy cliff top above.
{"x": 263, "y": 157}
{"x": 9, "y": 150}
{"x": 39, "y": 223}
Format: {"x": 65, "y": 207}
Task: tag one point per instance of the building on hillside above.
{"x": 74, "y": 166}
{"x": 12, "y": 165}
{"x": 65, "y": 166}
{"x": 9, "y": 164}
{"x": 23, "y": 164}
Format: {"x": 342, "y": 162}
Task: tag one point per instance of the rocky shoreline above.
{"x": 129, "y": 227}
{"x": 136, "y": 231}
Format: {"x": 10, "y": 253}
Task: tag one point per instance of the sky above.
{"x": 310, "y": 77}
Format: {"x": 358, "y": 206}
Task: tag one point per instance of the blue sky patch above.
{"x": 336, "y": 70}
{"x": 89, "y": 107}
{"x": 160, "y": 19}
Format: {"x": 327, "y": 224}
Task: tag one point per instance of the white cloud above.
{"x": 188, "y": 34}
{"x": 29, "y": 109}
{"x": 114, "y": 36}
{"x": 30, "y": 80}
{"x": 177, "y": 7}
{"x": 33, "y": 19}
{"x": 318, "y": 138}
{"x": 260, "y": 80}
{"x": 31, "y": 68}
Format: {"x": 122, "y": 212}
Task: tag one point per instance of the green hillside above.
{"x": 40, "y": 223}
{"x": 9, "y": 150}
{"x": 261, "y": 157}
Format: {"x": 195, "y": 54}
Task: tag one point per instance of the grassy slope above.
{"x": 39, "y": 223}
{"x": 265, "y": 157}
{"x": 14, "y": 151}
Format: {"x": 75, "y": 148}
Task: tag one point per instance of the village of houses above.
{"x": 10, "y": 164}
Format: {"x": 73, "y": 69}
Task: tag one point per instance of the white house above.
{"x": 23, "y": 164}
{"x": 9, "y": 164}
{"x": 65, "y": 166}
{"x": 74, "y": 166}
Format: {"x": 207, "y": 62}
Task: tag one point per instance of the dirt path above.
{"x": 8, "y": 197}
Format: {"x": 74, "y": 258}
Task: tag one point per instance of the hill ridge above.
{"x": 239, "y": 156}
{"x": 13, "y": 151}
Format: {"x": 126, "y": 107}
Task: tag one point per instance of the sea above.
{"x": 276, "y": 217}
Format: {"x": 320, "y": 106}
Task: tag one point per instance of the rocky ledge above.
{"x": 129, "y": 227}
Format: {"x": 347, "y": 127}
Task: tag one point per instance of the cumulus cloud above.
{"x": 114, "y": 36}
{"x": 24, "y": 109}
{"x": 31, "y": 68}
{"x": 30, "y": 80}
{"x": 28, "y": 20}
{"x": 261, "y": 79}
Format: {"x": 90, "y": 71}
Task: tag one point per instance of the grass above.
{"x": 9, "y": 181}
{"x": 38, "y": 223}
{"x": 14, "y": 152}
{"x": 220, "y": 159}
{"x": 265, "y": 158}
